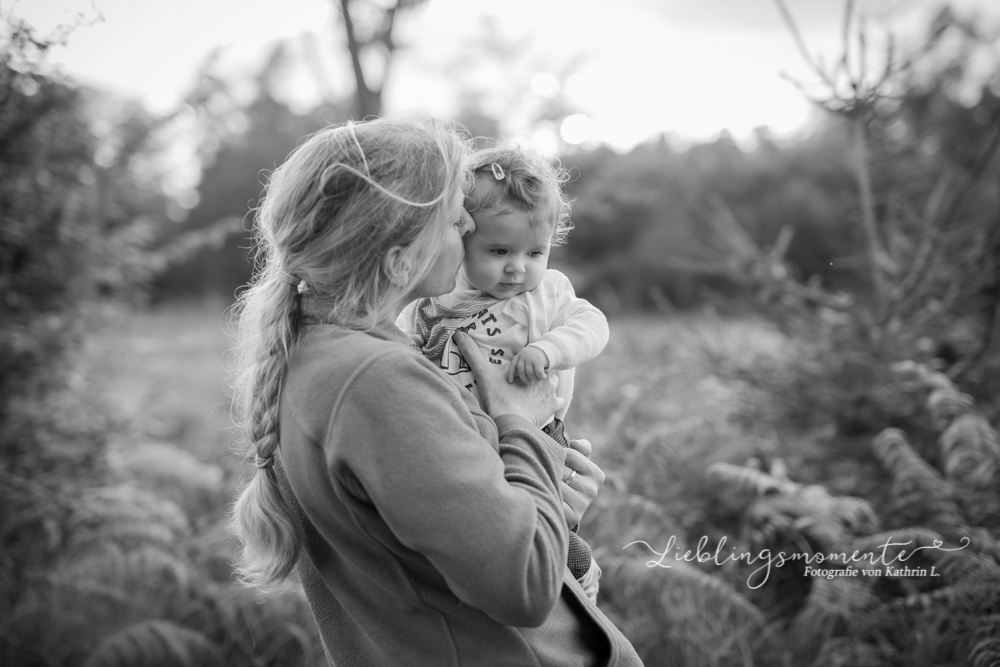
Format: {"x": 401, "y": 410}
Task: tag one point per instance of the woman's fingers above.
{"x": 585, "y": 469}
{"x": 581, "y": 481}
{"x": 536, "y": 402}
{"x": 475, "y": 357}
{"x": 582, "y": 446}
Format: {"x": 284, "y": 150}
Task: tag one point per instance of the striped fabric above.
{"x": 435, "y": 323}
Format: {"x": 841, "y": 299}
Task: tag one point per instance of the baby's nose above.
{"x": 515, "y": 266}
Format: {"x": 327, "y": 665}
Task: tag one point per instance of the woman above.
{"x": 426, "y": 530}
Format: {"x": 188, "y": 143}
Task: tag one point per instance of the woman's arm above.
{"x": 494, "y": 527}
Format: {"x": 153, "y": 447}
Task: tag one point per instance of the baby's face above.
{"x": 506, "y": 256}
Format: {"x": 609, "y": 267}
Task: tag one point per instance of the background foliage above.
{"x": 782, "y": 374}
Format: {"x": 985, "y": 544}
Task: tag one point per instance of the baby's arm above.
{"x": 576, "y": 330}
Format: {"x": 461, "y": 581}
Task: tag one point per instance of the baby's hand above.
{"x": 529, "y": 364}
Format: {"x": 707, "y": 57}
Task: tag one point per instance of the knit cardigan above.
{"x": 422, "y": 545}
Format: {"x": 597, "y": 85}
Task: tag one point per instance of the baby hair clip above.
{"x": 497, "y": 171}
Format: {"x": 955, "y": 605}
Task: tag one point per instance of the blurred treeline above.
{"x": 870, "y": 240}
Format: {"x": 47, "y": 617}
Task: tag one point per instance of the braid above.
{"x": 261, "y": 518}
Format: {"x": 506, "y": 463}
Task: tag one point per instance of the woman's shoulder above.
{"x": 328, "y": 355}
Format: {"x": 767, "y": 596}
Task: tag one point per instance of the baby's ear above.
{"x": 397, "y": 265}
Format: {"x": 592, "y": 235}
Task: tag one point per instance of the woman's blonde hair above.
{"x": 330, "y": 215}
{"x": 507, "y": 177}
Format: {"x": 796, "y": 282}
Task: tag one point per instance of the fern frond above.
{"x": 896, "y": 454}
{"x": 840, "y": 596}
{"x": 829, "y": 610}
{"x": 921, "y": 495}
{"x": 127, "y": 516}
{"x": 678, "y": 586}
{"x": 795, "y": 516}
{"x": 156, "y": 644}
{"x": 144, "y": 576}
{"x": 964, "y": 597}
{"x": 713, "y": 593}
{"x": 946, "y": 404}
{"x": 925, "y": 375}
{"x": 751, "y": 480}
{"x": 164, "y": 460}
{"x": 831, "y": 601}
{"x": 840, "y": 651}
{"x": 810, "y": 515}
{"x": 614, "y": 521}
{"x": 985, "y": 651}
{"x": 962, "y": 565}
{"x": 857, "y": 514}
{"x": 971, "y": 450}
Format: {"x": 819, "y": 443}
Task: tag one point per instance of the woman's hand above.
{"x": 536, "y": 402}
{"x": 582, "y": 479}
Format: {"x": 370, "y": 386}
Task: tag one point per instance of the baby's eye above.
{"x": 535, "y": 254}
{"x": 499, "y": 252}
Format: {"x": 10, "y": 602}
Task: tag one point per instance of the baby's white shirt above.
{"x": 570, "y": 330}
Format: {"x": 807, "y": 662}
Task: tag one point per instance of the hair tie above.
{"x": 497, "y": 171}
{"x": 288, "y": 278}
{"x": 263, "y": 463}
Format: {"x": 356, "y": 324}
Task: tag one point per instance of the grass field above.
{"x": 163, "y": 375}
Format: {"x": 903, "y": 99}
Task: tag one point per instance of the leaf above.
{"x": 614, "y": 521}
{"x": 126, "y": 515}
{"x": 921, "y": 495}
{"x": 985, "y": 651}
{"x": 156, "y": 643}
{"x": 751, "y": 480}
{"x": 971, "y": 450}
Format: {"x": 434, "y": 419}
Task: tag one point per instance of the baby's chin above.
{"x": 500, "y": 292}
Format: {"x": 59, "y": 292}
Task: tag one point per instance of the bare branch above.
{"x": 364, "y": 93}
{"x": 368, "y": 99}
{"x": 863, "y": 49}
{"x": 924, "y": 256}
{"x": 831, "y": 104}
{"x": 801, "y": 44}
{"x": 845, "y": 39}
{"x": 782, "y": 243}
{"x": 740, "y": 243}
{"x": 878, "y": 259}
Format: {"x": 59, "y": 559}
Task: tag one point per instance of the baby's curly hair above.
{"x": 529, "y": 184}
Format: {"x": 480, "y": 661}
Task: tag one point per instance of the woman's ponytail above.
{"x": 261, "y": 519}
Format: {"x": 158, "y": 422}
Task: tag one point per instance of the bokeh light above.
{"x": 545, "y": 85}
{"x": 575, "y": 128}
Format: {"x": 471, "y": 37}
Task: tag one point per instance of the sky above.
{"x": 630, "y": 69}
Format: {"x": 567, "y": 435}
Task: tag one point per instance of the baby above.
{"x": 521, "y": 313}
